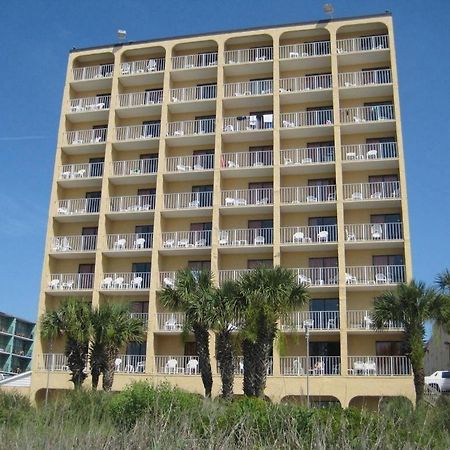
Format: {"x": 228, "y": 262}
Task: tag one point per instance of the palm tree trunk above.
{"x": 95, "y": 374}
{"x": 417, "y": 355}
{"x": 262, "y": 351}
{"x": 76, "y": 360}
{"x": 248, "y": 351}
{"x": 202, "y": 339}
{"x": 419, "y": 382}
{"x": 224, "y": 352}
{"x": 108, "y": 371}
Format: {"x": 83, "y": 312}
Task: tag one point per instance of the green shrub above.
{"x": 14, "y": 408}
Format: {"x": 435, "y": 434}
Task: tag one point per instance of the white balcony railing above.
{"x": 317, "y": 320}
{"x": 259, "y": 87}
{"x": 239, "y": 237}
{"x": 248, "y": 123}
{"x": 78, "y": 105}
{"x": 379, "y": 366}
{"x": 305, "y": 50}
{"x": 375, "y": 275}
{"x": 80, "y": 171}
{"x": 378, "y": 150}
{"x": 132, "y": 203}
{"x": 53, "y": 362}
{"x": 173, "y": 322}
{"x": 317, "y": 276}
{"x": 363, "y": 44}
{"x": 193, "y": 61}
{"x": 194, "y": 93}
{"x": 191, "y": 127}
{"x": 315, "y": 366}
{"x": 130, "y": 363}
{"x": 73, "y": 244}
{"x": 167, "y": 279}
{"x": 136, "y": 132}
{"x": 372, "y": 191}
{"x": 135, "y": 167}
{"x": 78, "y": 206}
{"x": 177, "y": 365}
{"x": 239, "y": 366}
{"x": 244, "y": 197}
{"x": 308, "y": 194}
{"x": 190, "y": 162}
{"x": 142, "y": 317}
{"x": 131, "y": 241}
{"x": 362, "y": 114}
{"x": 323, "y": 117}
{"x": 186, "y": 239}
{"x": 247, "y": 159}
{"x": 120, "y": 281}
{"x": 232, "y": 275}
{"x": 93, "y": 72}
{"x": 70, "y": 282}
{"x": 309, "y": 234}
{"x": 307, "y": 83}
{"x": 143, "y": 66}
{"x": 308, "y": 155}
{"x": 362, "y": 320}
{"x": 140, "y": 98}
{"x": 365, "y": 78}
{"x": 188, "y": 200}
{"x": 247, "y": 55}
{"x": 79, "y": 137}
{"x": 366, "y": 232}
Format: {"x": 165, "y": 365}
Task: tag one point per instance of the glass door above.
{"x": 261, "y": 231}
{"x": 202, "y": 195}
{"x": 89, "y": 238}
{"x": 142, "y": 269}
{"x": 145, "y": 232}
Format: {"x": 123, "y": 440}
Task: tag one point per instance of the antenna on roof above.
{"x": 328, "y": 8}
{"x": 121, "y": 35}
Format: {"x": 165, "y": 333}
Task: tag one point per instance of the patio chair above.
{"x": 65, "y": 247}
{"x": 182, "y": 168}
{"x": 169, "y": 243}
{"x": 376, "y": 231}
{"x": 118, "y": 283}
{"x": 194, "y": 204}
{"x": 223, "y": 238}
{"x": 297, "y": 368}
{"x": 287, "y": 124}
{"x": 200, "y": 243}
{"x": 229, "y": 201}
{"x": 350, "y": 236}
{"x": 183, "y": 243}
{"x": 139, "y": 243}
{"x": 171, "y": 324}
{"x": 136, "y": 282}
{"x": 168, "y": 282}
{"x": 171, "y": 366}
{"x": 382, "y": 278}
{"x": 322, "y": 236}
{"x": 370, "y": 368}
{"x": 331, "y": 324}
{"x": 299, "y": 236}
{"x": 350, "y": 279}
{"x": 106, "y": 283}
{"x": 376, "y": 195}
{"x": 80, "y": 173}
{"x": 358, "y": 367}
{"x": 357, "y": 196}
{"x": 262, "y": 201}
{"x": 287, "y": 161}
{"x": 152, "y": 65}
{"x": 120, "y": 244}
{"x": 53, "y": 284}
{"x": 68, "y": 284}
{"x": 372, "y": 154}
{"x": 318, "y": 368}
{"x": 228, "y": 128}
{"x": 259, "y": 240}
{"x": 126, "y": 68}
{"x": 192, "y": 367}
{"x": 304, "y": 279}
{"x": 368, "y": 322}
{"x": 117, "y": 364}
{"x": 311, "y": 198}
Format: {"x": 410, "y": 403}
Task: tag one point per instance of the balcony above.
{"x": 194, "y": 67}
{"x": 374, "y": 277}
{"x": 142, "y": 317}
{"x": 318, "y": 321}
{"x": 246, "y": 240}
{"x": 78, "y": 210}
{"x": 89, "y": 108}
{"x": 182, "y": 242}
{"x": 232, "y": 275}
{"x": 92, "y": 78}
{"x": 245, "y": 128}
{"x": 379, "y": 366}
{"x": 383, "y": 194}
{"x": 53, "y": 362}
{"x": 195, "y": 98}
{"x": 367, "y": 83}
{"x": 371, "y": 235}
{"x": 361, "y": 321}
{"x": 235, "y": 200}
{"x": 177, "y": 365}
{"x": 170, "y": 322}
{"x": 188, "y": 204}
{"x": 317, "y": 278}
{"x": 130, "y": 364}
{"x": 131, "y": 207}
{"x": 305, "y": 89}
{"x": 246, "y": 164}
{"x": 190, "y": 167}
{"x": 363, "y": 49}
{"x": 132, "y": 244}
{"x": 306, "y": 123}
{"x": 135, "y": 171}
{"x": 87, "y": 174}
{"x": 308, "y": 198}
{"x": 319, "y": 238}
{"x": 68, "y": 284}
{"x": 311, "y": 54}
{"x": 192, "y": 132}
{"x": 248, "y": 60}
{"x": 136, "y": 104}
{"x": 307, "y": 160}
{"x": 246, "y": 93}
{"x": 167, "y": 279}
{"x": 315, "y": 366}
{"x": 136, "y": 137}
{"x": 380, "y": 155}
{"x": 66, "y": 247}
{"x": 360, "y": 119}
{"x": 84, "y": 141}
{"x": 125, "y": 283}
{"x": 146, "y": 71}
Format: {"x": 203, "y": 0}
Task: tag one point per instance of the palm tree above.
{"x": 72, "y": 321}
{"x": 412, "y": 304}
{"x": 443, "y": 283}
{"x": 193, "y": 293}
{"x": 112, "y": 328}
{"x": 266, "y": 294}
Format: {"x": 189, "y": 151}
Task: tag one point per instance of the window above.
{"x": 390, "y": 348}
{"x": 190, "y": 348}
{"x": 319, "y": 115}
{"x": 445, "y": 374}
{"x": 383, "y": 186}
{"x": 136, "y": 348}
{"x": 377, "y": 75}
{"x": 260, "y": 86}
{"x": 100, "y": 133}
{"x": 261, "y": 229}
{"x": 85, "y": 281}
{"x": 103, "y": 98}
{"x": 261, "y": 156}
{"x": 205, "y": 91}
{"x": 204, "y": 158}
{"x": 325, "y": 270}
{"x": 205, "y": 124}
{"x": 96, "y": 167}
{"x": 324, "y": 224}
{"x": 324, "y": 309}
{"x": 147, "y": 198}
{"x": 145, "y": 232}
{"x": 379, "y": 111}
{"x": 320, "y": 151}
{"x": 322, "y": 189}
{"x": 318, "y": 349}
{"x": 202, "y": 195}
{"x": 89, "y": 238}
{"x": 391, "y": 231}
{"x": 151, "y": 128}
{"x": 142, "y": 269}
{"x": 202, "y": 233}
{"x": 255, "y": 263}
{"x": 373, "y": 42}
{"x": 153, "y": 96}
{"x": 199, "y": 265}
{"x": 139, "y": 307}
{"x": 264, "y": 119}
{"x": 93, "y": 201}
{"x": 318, "y": 80}
{"x": 389, "y": 268}
{"x": 384, "y": 146}
{"x": 260, "y": 193}
{"x": 149, "y": 162}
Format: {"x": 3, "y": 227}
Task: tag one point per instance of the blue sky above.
{"x": 36, "y": 38}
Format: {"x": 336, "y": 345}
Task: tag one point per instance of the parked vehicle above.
{"x": 439, "y": 380}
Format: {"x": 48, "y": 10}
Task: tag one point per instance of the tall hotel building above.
{"x": 268, "y": 146}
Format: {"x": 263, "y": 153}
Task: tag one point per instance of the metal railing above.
{"x": 248, "y": 123}
{"x": 140, "y": 98}
{"x": 132, "y": 203}
{"x": 305, "y": 50}
{"x": 244, "y": 197}
{"x": 143, "y": 66}
{"x": 78, "y": 206}
{"x": 362, "y": 320}
{"x": 71, "y": 244}
{"x": 309, "y": 234}
{"x": 134, "y": 132}
{"x": 70, "y": 281}
{"x": 79, "y": 137}
{"x": 232, "y": 275}
{"x": 247, "y": 159}
{"x": 378, "y": 150}
{"x": 135, "y": 167}
{"x": 362, "y": 44}
{"x": 79, "y": 171}
{"x": 379, "y": 366}
{"x": 375, "y": 275}
{"x": 77, "y": 105}
{"x": 306, "y": 83}
{"x": 188, "y": 200}
{"x": 173, "y": 322}
{"x": 317, "y": 276}
{"x": 191, "y": 127}
{"x": 321, "y": 117}
{"x": 190, "y": 94}
{"x": 167, "y": 279}
{"x": 372, "y": 191}
{"x": 308, "y": 194}
{"x": 246, "y": 55}
{"x": 365, "y": 78}
{"x": 53, "y": 362}
{"x": 317, "y": 320}
{"x": 131, "y": 241}
{"x": 119, "y": 281}
{"x": 93, "y": 72}
{"x": 361, "y": 114}
{"x": 240, "y": 237}
{"x": 189, "y": 162}
{"x": 130, "y": 363}
{"x": 177, "y": 365}
{"x": 192, "y": 61}
{"x": 239, "y": 366}
{"x": 186, "y": 239}
{"x": 315, "y": 366}
{"x": 364, "y": 232}
{"x": 142, "y": 317}
{"x": 258, "y": 87}
{"x": 308, "y": 155}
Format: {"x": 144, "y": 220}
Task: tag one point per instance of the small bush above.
{"x": 14, "y": 408}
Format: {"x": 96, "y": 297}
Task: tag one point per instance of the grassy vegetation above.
{"x": 144, "y": 417}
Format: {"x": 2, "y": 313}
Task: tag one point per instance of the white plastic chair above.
{"x": 350, "y": 279}
{"x": 120, "y": 244}
{"x": 169, "y": 243}
{"x": 259, "y": 240}
{"x": 377, "y": 231}
{"x": 53, "y": 284}
{"x": 118, "y": 283}
{"x": 192, "y": 366}
{"x": 223, "y": 238}
{"x": 298, "y": 237}
{"x": 200, "y": 243}
{"x": 136, "y": 282}
{"x": 126, "y": 68}
{"x": 194, "y": 204}
{"x": 304, "y": 279}
{"x": 139, "y": 243}
{"x": 322, "y": 236}
{"x": 381, "y": 278}
{"x": 357, "y": 196}
{"x": 168, "y": 282}
{"x": 171, "y": 366}
{"x": 229, "y": 201}
{"x": 107, "y": 283}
